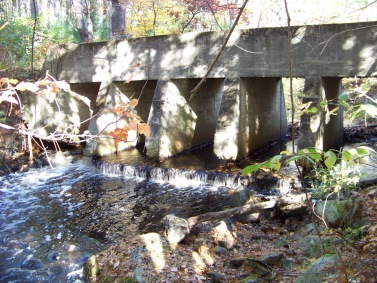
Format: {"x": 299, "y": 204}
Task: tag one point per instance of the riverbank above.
{"x": 273, "y": 249}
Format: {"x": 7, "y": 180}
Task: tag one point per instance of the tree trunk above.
{"x": 118, "y": 11}
{"x": 81, "y": 12}
{"x": 34, "y": 8}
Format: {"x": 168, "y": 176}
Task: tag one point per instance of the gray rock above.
{"x": 311, "y": 245}
{"x": 322, "y": 267}
{"x": 331, "y": 211}
{"x": 272, "y": 259}
{"x": 239, "y": 197}
{"x": 287, "y": 264}
{"x": 226, "y": 244}
{"x": 32, "y": 264}
{"x": 221, "y": 251}
{"x": 175, "y": 228}
{"x": 338, "y": 213}
{"x": 215, "y": 277}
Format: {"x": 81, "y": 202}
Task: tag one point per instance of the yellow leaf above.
{"x": 133, "y": 102}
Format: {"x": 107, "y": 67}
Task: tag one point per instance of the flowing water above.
{"x": 53, "y": 220}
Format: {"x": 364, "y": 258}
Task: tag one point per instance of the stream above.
{"x": 53, "y": 220}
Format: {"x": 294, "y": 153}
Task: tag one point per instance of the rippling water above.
{"x": 52, "y": 220}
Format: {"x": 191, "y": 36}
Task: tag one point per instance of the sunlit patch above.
{"x": 155, "y": 249}
{"x": 200, "y": 266}
{"x": 349, "y": 43}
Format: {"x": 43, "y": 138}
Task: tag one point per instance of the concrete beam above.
{"x": 334, "y": 50}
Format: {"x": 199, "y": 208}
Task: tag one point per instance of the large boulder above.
{"x": 325, "y": 266}
{"x": 339, "y": 213}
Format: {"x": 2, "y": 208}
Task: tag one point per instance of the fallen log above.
{"x": 248, "y": 208}
{"x": 176, "y": 228}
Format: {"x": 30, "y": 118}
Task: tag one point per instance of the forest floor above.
{"x": 214, "y": 254}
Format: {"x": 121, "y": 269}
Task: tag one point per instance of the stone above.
{"x": 175, "y": 228}
{"x": 239, "y": 197}
{"x": 338, "y": 213}
{"x": 226, "y": 244}
{"x": 221, "y": 251}
{"x": 322, "y": 267}
{"x": 287, "y": 264}
{"x": 256, "y": 267}
{"x": 215, "y": 277}
{"x": 311, "y": 245}
{"x": 237, "y": 262}
{"x": 32, "y": 264}
{"x": 272, "y": 259}
{"x": 330, "y": 211}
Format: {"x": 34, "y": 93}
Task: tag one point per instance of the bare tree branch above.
{"x": 195, "y": 90}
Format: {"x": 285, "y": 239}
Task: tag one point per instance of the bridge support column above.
{"x": 172, "y": 122}
{"x": 105, "y": 121}
{"x": 252, "y": 115}
{"x": 321, "y": 130}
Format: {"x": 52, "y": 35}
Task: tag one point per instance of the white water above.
{"x": 44, "y": 228}
{"x": 34, "y": 240}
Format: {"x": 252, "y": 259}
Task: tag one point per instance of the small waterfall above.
{"x": 268, "y": 185}
{"x": 177, "y": 177}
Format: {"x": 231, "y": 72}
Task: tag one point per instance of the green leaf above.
{"x": 275, "y": 162}
{"x": 251, "y": 168}
{"x": 314, "y": 154}
{"x": 343, "y": 97}
{"x": 333, "y": 112}
{"x": 330, "y": 159}
{"x": 323, "y": 103}
{"x": 293, "y": 158}
{"x": 343, "y": 103}
{"x": 313, "y": 110}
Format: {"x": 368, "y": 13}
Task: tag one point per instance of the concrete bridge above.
{"x": 240, "y": 107}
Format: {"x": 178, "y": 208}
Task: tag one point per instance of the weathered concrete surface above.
{"x": 112, "y": 94}
{"x": 172, "y": 122}
{"x": 336, "y": 50}
{"x": 240, "y": 106}
{"x": 322, "y": 130}
{"x": 65, "y": 114}
{"x": 253, "y": 114}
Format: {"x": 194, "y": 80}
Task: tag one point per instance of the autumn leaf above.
{"x": 50, "y": 95}
{"x": 130, "y": 78}
{"x": 144, "y": 129}
{"x": 119, "y": 134}
{"x": 4, "y": 81}
{"x": 133, "y": 102}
